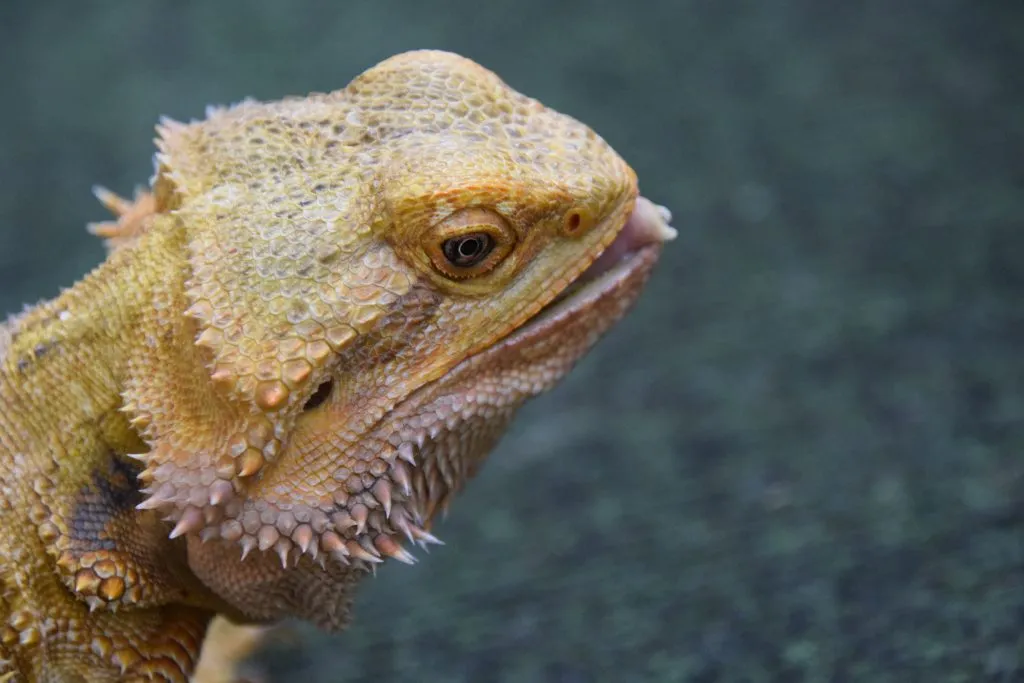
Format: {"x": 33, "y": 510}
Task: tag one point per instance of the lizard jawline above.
{"x": 634, "y": 249}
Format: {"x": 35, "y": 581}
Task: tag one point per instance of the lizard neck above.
{"x": 66, "y": 364}
{"x": 65, "y": 361}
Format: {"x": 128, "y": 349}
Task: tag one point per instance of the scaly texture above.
{"x": 309, "y": 332}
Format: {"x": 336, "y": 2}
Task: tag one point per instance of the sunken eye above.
{"x": 466, "y": 251}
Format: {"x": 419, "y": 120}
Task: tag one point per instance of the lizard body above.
{"x": 307, "y": 336}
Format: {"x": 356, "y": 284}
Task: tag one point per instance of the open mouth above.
{"x": 648, "y": 224}
{"x": 633, "y": 250}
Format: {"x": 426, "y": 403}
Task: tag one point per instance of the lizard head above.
{"x": 379, "y": 277}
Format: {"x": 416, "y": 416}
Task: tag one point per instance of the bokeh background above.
{"x": 799, "y": 459}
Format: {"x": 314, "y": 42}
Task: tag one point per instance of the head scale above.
{"x": 346, "y": 252}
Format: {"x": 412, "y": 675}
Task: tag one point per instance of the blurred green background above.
{"x": 799, "y": 459}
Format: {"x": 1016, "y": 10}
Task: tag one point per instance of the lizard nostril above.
{"x": 572, "y": 223}
{"x": 576, "y": 222}
{"x": 321, "y": 394}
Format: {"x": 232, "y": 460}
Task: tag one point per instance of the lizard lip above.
{"x": 648, "y": 224}
{"x": 643, "y": 232}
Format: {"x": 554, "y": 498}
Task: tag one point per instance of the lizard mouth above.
{"x": 647, "y": 224}
{"x": 527, "y": 362}
{"x": 627, "y": 258}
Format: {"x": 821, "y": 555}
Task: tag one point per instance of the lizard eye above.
{"x": 468, "y": 250}
{"x": 470, "y": 243}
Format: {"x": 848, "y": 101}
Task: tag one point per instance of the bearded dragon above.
{"x": 309, "y": 332}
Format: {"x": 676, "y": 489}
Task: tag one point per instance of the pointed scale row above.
{"x": 362, "y": 532}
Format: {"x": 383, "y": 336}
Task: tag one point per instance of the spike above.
{"x": 209, "y": 533}
{"x": 210, "y": 337}
{"x": 285, "y": 523}
{"x": 360, "y": 553}
{"x": 141, "y": 457}
{"x": 283, "y": 547}
{"x": 431, "y": 505}
{"x": 267, "y": 536}
{"x": 418, "y": 535}
{"x": 67, "y": 562}
{"x": 201, "y": 309}
{"x": 247, "y": 543}
{"x": 104, "y": 229}
{"x": 359, "y": 513}
{"x": 86, "y": 582}
{"x": 382, "y": 492}
{"x": 220, "y": 491}
{"x": 111, "y": 201}
{"x": 171, "y": 125}
{"x": 140, "y": 421}
{"x": 402, "y": 523}
{"x": 191, "y": 519}
{"x": 342, "y": 520}
{"x": 303, "y": 536}
{"x": 222, "y": 376}
{"x": 155, "y": 500}
{"x": 332, "y": 542}
{"x": 250, "y": 462}
{"x": 406, "y": 453}
{"x": 377, "y": 522}
{"x": 401, "y": 476}
{"x": 225, "y": 470}
{"x": 387, "y": 545}
{"x": 425, "y": 538}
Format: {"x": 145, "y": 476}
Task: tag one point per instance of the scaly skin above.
{"x": 307, "y": 336}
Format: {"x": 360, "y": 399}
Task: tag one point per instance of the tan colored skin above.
{"x": 279, "y": 360}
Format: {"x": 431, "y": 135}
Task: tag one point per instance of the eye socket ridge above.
{"x": 469, "y": 243}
